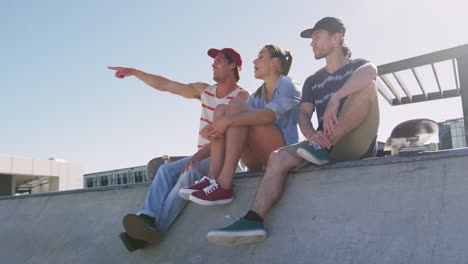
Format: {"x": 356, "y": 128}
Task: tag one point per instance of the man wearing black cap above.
{"x": 343, "y": 94}
{"x": 162, "y": 203}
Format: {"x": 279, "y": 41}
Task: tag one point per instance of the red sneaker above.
{"x": 204, "y": 182}
{"x": 212, "y": 195}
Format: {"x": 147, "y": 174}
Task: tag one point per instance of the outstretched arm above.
{"x": 192, "y": 90}
{"x": 360, "y": 79}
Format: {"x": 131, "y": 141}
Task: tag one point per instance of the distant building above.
{"x": 20, "y": 175}
{"x": 131, "y": 175}
{"x": 115, "y": 177}
{"x": 127, "y": 175}
{"x": 452, "y": 134}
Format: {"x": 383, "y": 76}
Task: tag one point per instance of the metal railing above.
{"x": 396, "y": 90}
{"x": 393, "y": 70}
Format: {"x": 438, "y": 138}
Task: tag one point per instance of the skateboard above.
{"x": 411, "y": 137}
{"x": 154, "y": 164}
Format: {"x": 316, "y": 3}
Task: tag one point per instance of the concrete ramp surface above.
{"x": 387, "y": 210}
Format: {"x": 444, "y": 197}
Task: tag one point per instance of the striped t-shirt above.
{"x": 209, "y": 101}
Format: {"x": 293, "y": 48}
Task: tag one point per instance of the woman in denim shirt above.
{"x": 252, "y": 130}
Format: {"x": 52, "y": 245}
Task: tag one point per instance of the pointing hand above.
{"x": 121, "y": 72}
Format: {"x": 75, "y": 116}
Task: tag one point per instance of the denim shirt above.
{"x": 284, "y": 103}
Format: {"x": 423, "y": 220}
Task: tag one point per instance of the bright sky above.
{"x": 60, "y": 100}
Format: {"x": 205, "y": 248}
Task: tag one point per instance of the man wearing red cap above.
{"x": 343, "y": 94}
{"x": 162, "y": 203}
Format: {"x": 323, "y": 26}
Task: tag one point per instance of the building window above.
{"x": 104, "y": 181}
{"x": 89, "y": 183}
{"x": 138, "y": 177}
{"x": 445, "y": 137}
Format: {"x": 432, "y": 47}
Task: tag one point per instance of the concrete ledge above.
{"x": 388, "y": 210}
{"x": 444, "y": 154}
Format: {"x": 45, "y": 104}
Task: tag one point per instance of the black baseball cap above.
{"x": 330, "y": 24}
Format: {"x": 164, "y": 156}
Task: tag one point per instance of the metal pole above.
{"x": 463, "y": 75}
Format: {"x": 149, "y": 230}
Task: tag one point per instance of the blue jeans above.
{"x": 163, "y": 201}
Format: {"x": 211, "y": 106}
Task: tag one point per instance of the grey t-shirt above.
{"x": 321, "y": 85}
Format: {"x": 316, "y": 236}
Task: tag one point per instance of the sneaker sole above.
{"x": 126, "y": 243}
{"x": 129, "y": 245}
{"x": 306, "y": 155}
{"x": 138, "y": 229}
{"x": 236, "y": 238}
{"x": 185, "y": 194}
{"x": 204, "y": 202}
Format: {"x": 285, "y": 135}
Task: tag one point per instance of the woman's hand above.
{"x": 209, "y": 132}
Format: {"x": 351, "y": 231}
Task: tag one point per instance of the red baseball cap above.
{"x": 232, "y": 53}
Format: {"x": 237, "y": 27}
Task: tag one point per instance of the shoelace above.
{"x": 212, "y": 187}
{"x": 200, "y": 180}
{"x": 204, "y": 178}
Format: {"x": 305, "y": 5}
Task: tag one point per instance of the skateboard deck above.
{"x": 411, "y": 136}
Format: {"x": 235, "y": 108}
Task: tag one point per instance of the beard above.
{"x": 322, "y": 54}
